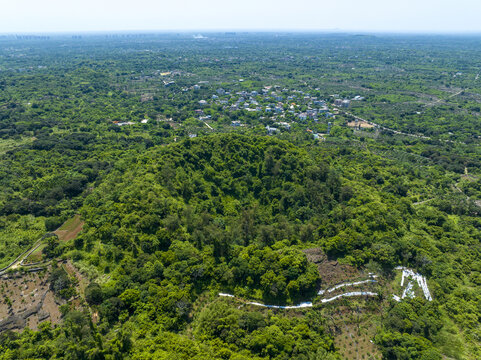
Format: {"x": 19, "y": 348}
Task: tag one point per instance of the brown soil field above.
{"x": 361, "y": 124}
{"x": 331, "y": 271}
{"x": 26, "y": 300}
{"x": 70, "y": 229}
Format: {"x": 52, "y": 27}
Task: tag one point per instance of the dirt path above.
{"x": 422, "y": 202}
{"x": 18, "y": 261}
{"x": 458, "y": 189}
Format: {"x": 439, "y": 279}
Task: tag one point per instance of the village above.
{"x": 278, "y": 109}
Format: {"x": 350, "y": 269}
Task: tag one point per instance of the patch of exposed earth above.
{"x": 70, "y": 229}
{"x": 331, "y": 271}
{"x": 26, "y": 300}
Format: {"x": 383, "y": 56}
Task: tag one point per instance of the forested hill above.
{"x": 168, "y": 227}
{"x": 225, "y": 199}
{"x": 232, "y": 213}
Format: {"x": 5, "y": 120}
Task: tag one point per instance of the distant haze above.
{"x": 421, "y": 16}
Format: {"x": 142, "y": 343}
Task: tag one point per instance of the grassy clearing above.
{"x": 36, "y": 256}
{"x": 70, "y": 224}
{"x": 70, "y": 228}
{"x": 10, "y": 144}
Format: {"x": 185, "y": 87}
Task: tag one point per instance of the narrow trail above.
{"x": 468, "y": 198}
{"x": 19, "y": 261}
{"x": 458, "y": 189}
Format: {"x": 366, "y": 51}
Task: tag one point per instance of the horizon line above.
{"x": 243, "y": 30}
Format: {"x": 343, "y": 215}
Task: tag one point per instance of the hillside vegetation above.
{"x": 184, "y": 169}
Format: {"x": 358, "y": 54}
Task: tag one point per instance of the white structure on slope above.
{"x": 348, "y": 284}
{"x": 227, "y": 295}
{"x": 354, "y": 293}
{"x": 300, "y": 306}
{"x": 420, "y": 279}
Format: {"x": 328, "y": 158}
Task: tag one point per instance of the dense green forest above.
{"x": 220, "y": 165}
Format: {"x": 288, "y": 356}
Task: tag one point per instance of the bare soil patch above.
{"x": 26, "y": 300}
{"x": 331, "y": 271}
{"x": 360, "y": 124}
{"x": 70, "y": 229}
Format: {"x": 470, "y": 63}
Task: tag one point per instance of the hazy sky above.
{"x": 348, "y": 15}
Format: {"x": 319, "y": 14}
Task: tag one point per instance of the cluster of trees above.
{"x": 233, "y": 198}
{"x": 264, "y": 335}
{"x": 409, "y": 329}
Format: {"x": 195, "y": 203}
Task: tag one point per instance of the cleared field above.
{"x": 70, "y": 229}
{"x": 360, "y": 124}
{"x": 331, "y": 271}
{"x": 353, "y": 328}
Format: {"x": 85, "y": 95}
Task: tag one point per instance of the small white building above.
{"x": 271, "y": 130}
